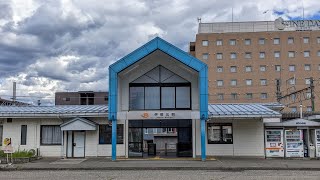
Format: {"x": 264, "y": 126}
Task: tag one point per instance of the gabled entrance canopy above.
{"x": 79, "y": 124}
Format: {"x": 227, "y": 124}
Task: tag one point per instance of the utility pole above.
{"x": 312, "y": 93}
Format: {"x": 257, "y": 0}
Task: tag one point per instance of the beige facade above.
{"x": 244, "y": 65}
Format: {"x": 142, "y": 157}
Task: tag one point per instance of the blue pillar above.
{"x": 203, "y": 138}
{"x": 114, "y": 139}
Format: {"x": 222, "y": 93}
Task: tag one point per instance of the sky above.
{"x": 67, "y": 45}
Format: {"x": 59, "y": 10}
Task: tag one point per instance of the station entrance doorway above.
{"x": 160, "y": 138}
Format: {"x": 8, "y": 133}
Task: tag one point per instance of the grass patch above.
{"x": 20, "y": 154}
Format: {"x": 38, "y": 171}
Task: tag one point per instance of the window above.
{"x": 307, "y": 67}
{"x": 263, "y": 82}
{"x": 106, "y": 98}
{"x": 306, "y": 40}
{"x": 1, "y": 134}
{"x": 249, "y": 82}
{"x": 292, "y": 81}
{"x": 261, "y": 41}
{"x": 276, "y": 41}
{"x": 262, "y": 55}
{"x": 248, "y": 68}
{"x": 290, "y": 40}
{"x": 219, "y": 55}
{"x": 248, "y": 55}
{"x": 23, "y": 135}
{"x": 309, "y": 108}
{"x": 308, "y": 95}
{"x": 249, "y": 95}
{"x": 293, "y": 97}
{"x": 205, "y": 56}
{"x": 318, "y": 67}
{"x": 220, "y": 96}
{"x": 318, "y": 40}
{"x": 232, "y": 42}
{"x": 219, "y": 42}
{"x": 307, "y": 81}
{"x": 233, "y": 55}
{"x": 233, "y": 69}
{"x": 264, "y": 95}
{"x": 51, "y": 135}
{"x": 293, "y": 109}
{"x": 263, "y": 68}
{"x": 318, "y": 53}
{"x": 247, "y": 41}
{"x": 234, "y": 96}
{"x": 66, "y": 99}
{"x": 306, "y": 54}
{"x": 220, "y": 69}
{"x": 277, "y": 54}
{"x": 205, "y": 43}
{"x": 105, "y": 134}
{"x": 277, "y": 67}
{"x": 292, "y": 68}
{"x": 220, "y": 133}
{"x": 219, "y": 82}
{"x": 233, "y": 82}
{"x": 291, "y": 54}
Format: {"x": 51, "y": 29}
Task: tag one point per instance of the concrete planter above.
{"x": 19, "y": 160}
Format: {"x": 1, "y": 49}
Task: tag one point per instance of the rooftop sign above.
{"x": 299, "y": 25}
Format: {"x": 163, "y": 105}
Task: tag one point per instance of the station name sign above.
{"x": 299, "y": 25}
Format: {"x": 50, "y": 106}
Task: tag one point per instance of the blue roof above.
{"x": 240, "y": 111}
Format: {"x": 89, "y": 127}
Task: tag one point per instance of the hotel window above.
{"x": 220, "y": 69}
{"x": 205, "y": 43}
{"x": 219, "y": 42}
{"x": 318, "y": 53}
{"x": 219, "y": 133}
{"x": 247, "y": 41}
{"x": 249, "y": 96}
{"x": 105, "y": 134}
{"x": 277, "y": 54}
{"x": 247, "y": 55}
{"x": 219, "y": 56}
{"x": 276, "y": 41}
{"x": 248, "y": 68}
{"x": 249, "y": 82}
{"x": 318, "y": 40}
{"x": 233, "y": 82}
{"x": 291, "y": 54}
{"x": 292, "y": 81}
{"x": 307, "y": 81}
{"x": 219, "y": 83}
{"x": 306, "y": 40}
{"x": 220, "y": 96}
{"x": 262, "y": 55}
{"x": 264, "y": 95}
{"x": 263, "y": 68}
{"x": 293, "y": 97}
{"x": 23, "y": 135}
{"x": 262, "y": 41}
{"x": 234, "y": 96}
{"x": 318, "y": 67}
{"x": 233, "y": 69}
{"x": 292, "y": 68}
{"x": 205, "y": 56}
{"x": 233, "y": 55}
{"x": 263, "y": 82}
{"x": 277, "y": 67}
{"x": 309, "y": 108}
{"x": 50, "y": 135}
{"x": 293, "y": 109}
{"x": 290, "y": 40}
{"x": 306, "y": 54}
{"x": 307, "y": 67}
{"x": 308, "y": 95}
{"x": 232, "y": 42}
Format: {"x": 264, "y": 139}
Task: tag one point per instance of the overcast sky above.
{"x": 67, "y": 45}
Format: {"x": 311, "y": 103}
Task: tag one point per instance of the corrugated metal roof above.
{"x": 240, "y": 110}
{"x": 65, "y": 110}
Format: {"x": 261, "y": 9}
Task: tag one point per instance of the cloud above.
{"x": 59, "y": 45}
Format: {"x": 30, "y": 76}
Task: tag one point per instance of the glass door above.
{"x": 135, "y": 142}
{"x": 184, "y": 146}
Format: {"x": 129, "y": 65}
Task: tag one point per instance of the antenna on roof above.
{"x": 232, "y": 15}
{"x": 199, "y": 19}
{"x": 302, "y": 10}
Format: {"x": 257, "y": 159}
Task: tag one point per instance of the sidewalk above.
{"x": 222, "y": 163}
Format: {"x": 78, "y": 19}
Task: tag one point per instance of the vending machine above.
{"x": 274, "y": 143}
{"x": 294, "y": 143}
{"x": 317, "y": 142}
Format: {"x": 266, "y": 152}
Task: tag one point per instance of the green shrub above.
{"x": 2, "y": 154}
{"x": 23, "y": 153}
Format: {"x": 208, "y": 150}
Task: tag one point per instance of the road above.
{"x": 161, "y": 175}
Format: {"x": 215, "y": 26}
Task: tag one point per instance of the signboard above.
{"x": 160, "y": 115}
{"x": 299, "y": 25}
{"x": 7, "y": 145}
